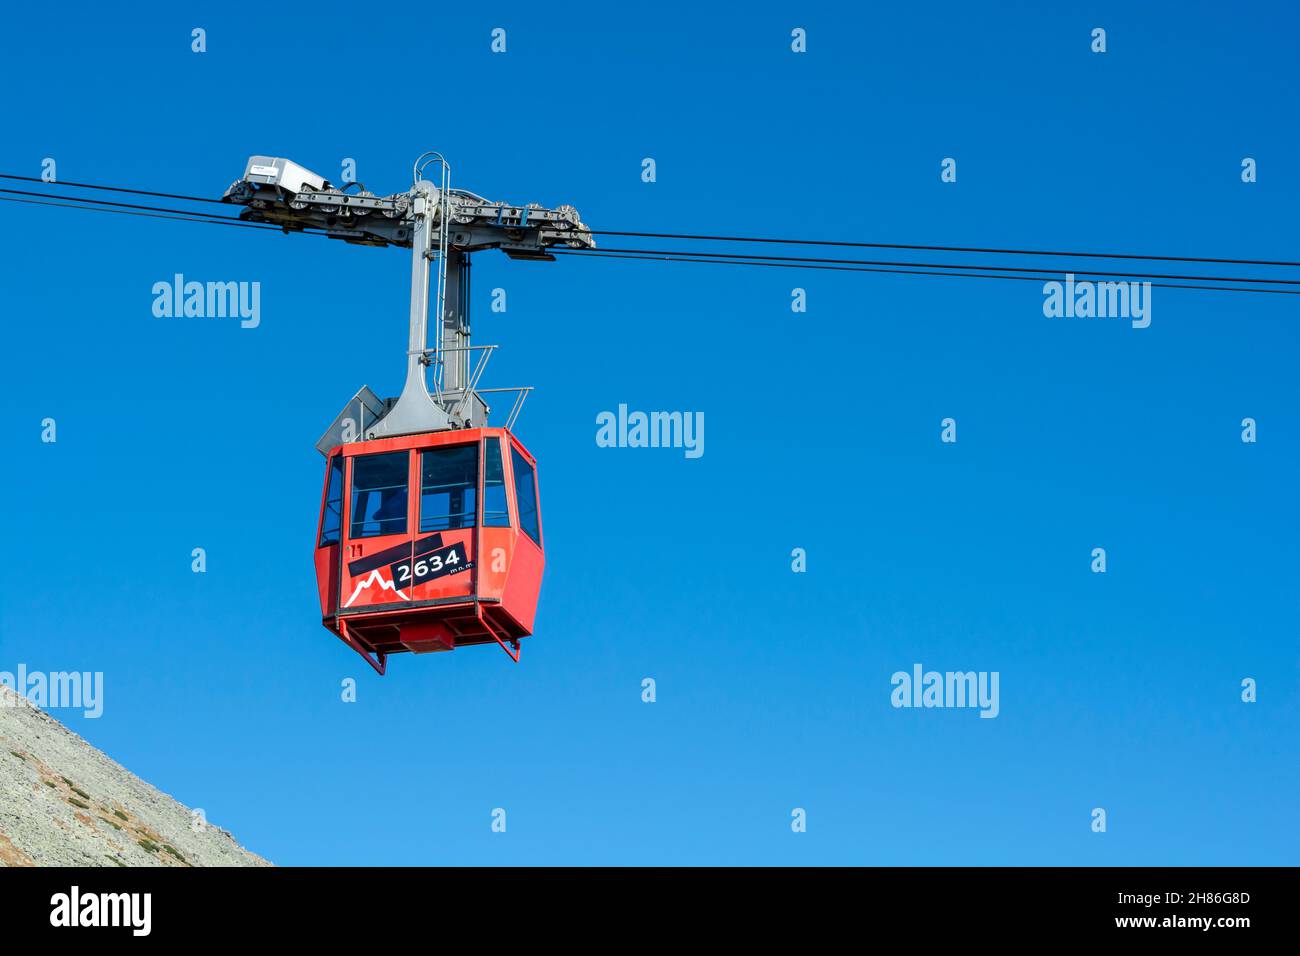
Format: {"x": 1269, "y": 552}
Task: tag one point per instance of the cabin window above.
{"x": 332, "y": 519}
{"x": 379, "y": 494}
{"x": 496, "y": 509}
{"x": 448, "y": 487}
{"x": 526, "y": 496}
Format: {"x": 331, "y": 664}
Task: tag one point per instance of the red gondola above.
{"x": 430, "y": 542}
{"x": 430, "y": 531}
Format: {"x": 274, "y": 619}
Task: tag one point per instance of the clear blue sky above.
{"x": 822, "y": 432}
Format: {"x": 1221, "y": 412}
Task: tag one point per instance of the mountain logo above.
{"x": 384, "y": 585}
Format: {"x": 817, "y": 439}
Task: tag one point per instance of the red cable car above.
{"x": 430, "y": 542}
{"x": 430, "y": 533}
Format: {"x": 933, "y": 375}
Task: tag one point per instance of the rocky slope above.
{"x": 63, "y": 803}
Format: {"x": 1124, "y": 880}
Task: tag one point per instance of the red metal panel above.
{"x": 525, "y": 583}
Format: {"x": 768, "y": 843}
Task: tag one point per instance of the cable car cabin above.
{"x": 430, "y": 542}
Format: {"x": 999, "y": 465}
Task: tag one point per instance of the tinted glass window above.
{"x": 379, "y": 494}
{"x": 496, "y": 511}
{"x": 448, "y": 485}
{"x": 332, "y": 520}
{"x": 526, "y": 495}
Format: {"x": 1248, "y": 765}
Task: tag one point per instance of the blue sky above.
{"x": 1118, "y": 691}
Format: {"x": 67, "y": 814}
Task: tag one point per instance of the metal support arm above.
{"x": 442, "y": 227}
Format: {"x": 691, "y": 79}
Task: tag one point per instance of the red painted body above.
{"x": 457, "y": 582}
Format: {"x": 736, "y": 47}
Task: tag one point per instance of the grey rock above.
{"x": 64, "y": 803}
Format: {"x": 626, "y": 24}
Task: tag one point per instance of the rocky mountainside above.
{"x": 63, "y": 803}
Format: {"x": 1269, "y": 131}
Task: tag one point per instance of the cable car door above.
{"x": 446, "y": 521}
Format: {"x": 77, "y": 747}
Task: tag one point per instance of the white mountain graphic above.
{"x": 384, "y": 585}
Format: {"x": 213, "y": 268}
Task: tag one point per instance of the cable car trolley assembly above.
{"x": 430, "y": 532}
